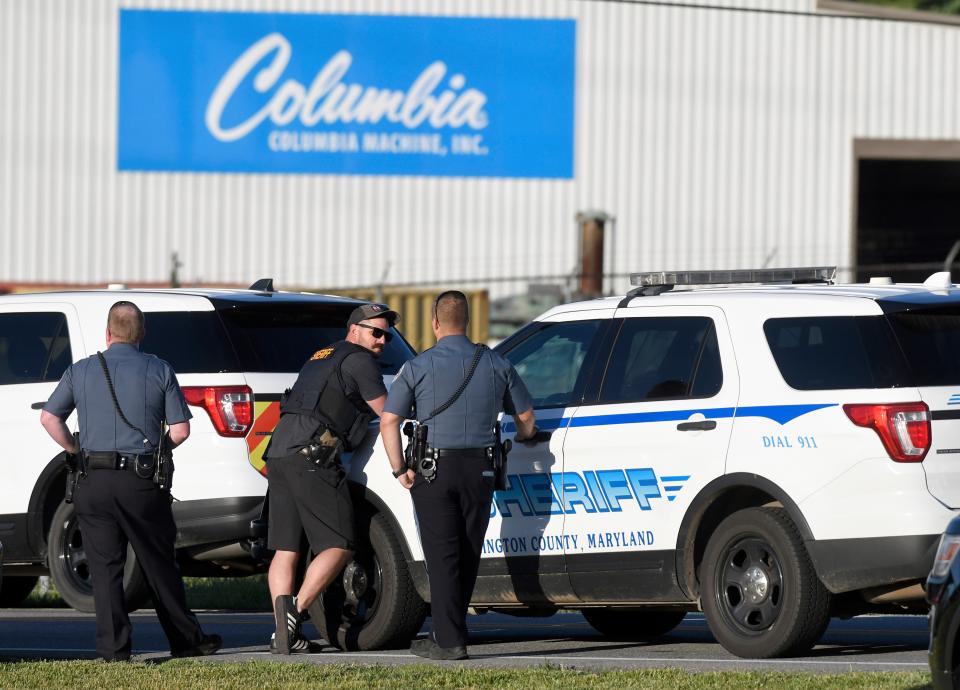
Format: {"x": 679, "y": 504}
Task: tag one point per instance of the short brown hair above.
{"x": 125, "y": 322}
{"x": 452, "y": 309}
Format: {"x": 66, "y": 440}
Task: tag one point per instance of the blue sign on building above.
{"x": 346, "y": 94}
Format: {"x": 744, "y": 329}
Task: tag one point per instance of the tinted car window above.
{"x": 663, "y": 357}
{"x": 192, "y": 342}
{"x": 34, "y": 347}
{"x": 282, "y": 337}
{"x": 930, "y": 339}
{"x": 833, "y": 352}
{"x": 550, "y": 361}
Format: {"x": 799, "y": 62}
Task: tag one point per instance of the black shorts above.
{"x": 307, "y": 499}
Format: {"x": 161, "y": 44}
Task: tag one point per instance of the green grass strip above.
{"x": 195, "y": 675}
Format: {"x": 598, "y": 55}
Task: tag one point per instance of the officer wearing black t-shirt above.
{"x": 122, "y": 399}
{"x": 326, "y": 412}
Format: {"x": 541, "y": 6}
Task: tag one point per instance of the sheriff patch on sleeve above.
{"x": 322, "y": 354}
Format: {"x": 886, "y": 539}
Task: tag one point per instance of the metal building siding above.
{"x": 718, "y": 138}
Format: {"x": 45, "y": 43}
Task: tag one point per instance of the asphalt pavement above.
{"x": 864, "y": 643}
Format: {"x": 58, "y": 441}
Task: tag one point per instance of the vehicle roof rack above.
{"x": 657, "y": 282}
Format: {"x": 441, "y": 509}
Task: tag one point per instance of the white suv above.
{"x": 771, "y": 454}
{"x": 234, "y": 352}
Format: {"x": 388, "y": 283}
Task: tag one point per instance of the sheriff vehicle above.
{"x": 767, "y": 446}
{"x": 774, "y": 451}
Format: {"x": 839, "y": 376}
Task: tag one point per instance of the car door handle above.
{"x": 539, "y": 437}
{"x": 38, "y": 405}
{"x": 705, "y": 425}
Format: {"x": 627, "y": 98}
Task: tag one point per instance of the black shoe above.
{"x": 428, "y": 649}
{"x": 207, "y": 646}
{"x": 299, "y": 645}
{"x": 422, "y": 647}
{"x": 288, "y": 624}
{"x": 438, "y": 653}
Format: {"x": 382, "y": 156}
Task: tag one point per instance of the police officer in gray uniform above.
{"x": 453, "y": 509}
{"x": 117, "y": 500}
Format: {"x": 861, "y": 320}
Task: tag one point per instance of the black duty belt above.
{"x": 105, "y": 460}
{"x": 471, "y": 453}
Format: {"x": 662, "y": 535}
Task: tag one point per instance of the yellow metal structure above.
{"x": 415, "y": 308}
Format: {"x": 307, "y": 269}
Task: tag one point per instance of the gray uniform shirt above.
{"x": 429, "y": 380}
{"x": 147, "y": 391}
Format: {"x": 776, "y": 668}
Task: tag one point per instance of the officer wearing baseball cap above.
{"x": 327, "y": 411}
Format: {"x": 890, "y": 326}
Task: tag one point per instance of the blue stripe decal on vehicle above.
{"x": 777, "y": 413}
{"x": 781, "y": 413}
{"x": 643, "y": 417}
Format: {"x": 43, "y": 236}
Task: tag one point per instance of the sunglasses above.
{"x": 377, "y": 332}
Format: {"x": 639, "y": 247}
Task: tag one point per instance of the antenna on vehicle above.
{"x": 938, "y": 281}
{"x": 263, "y": 285}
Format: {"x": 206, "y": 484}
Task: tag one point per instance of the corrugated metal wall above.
{"x": 717, "y": 137}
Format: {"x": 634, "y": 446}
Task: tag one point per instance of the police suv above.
{"x": 234, "y": 352}
{"x": 774, "y": 452}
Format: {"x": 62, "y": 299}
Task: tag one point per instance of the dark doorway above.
{"x": 908, "y": 217}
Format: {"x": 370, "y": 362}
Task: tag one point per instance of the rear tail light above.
{"x": 230, "y": 407}
{"x": 904, "y": 428}
{"x": 949, "y": 545}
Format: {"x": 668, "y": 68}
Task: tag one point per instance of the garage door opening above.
{"x": 908, "y": 209}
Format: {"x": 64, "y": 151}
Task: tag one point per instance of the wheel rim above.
{"x": 74, "y": 558}
{"x": 749, "y": 585}
{"x": 368, "y": 600}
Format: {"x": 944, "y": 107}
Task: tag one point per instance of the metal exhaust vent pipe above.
{"x": 591, "y": 226}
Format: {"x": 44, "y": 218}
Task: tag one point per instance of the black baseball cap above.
{"x": 373, "y": 311}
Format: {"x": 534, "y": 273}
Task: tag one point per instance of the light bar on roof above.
{"x": 809, "y": 274}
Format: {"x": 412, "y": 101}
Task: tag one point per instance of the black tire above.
{"x": 760, "y": 592}
{"x": 14, "y": 589}
{"x": 70, "y": 570}
{"x": 636, "y": 625}
{"x": 390, "y": 612}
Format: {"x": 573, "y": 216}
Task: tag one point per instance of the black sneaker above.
{"x": 288, "y": 624}
{"x": 207, "y": 646}
{"x": 299, "y": 645}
